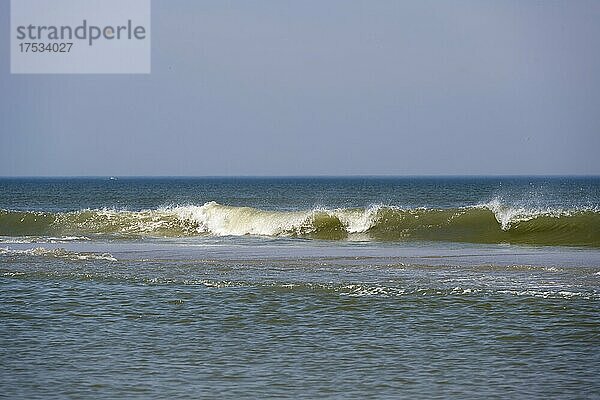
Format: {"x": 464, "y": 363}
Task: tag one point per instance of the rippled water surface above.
{"x": 115, "y": 315}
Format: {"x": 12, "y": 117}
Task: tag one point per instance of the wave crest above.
{"x": 492, "y": 222}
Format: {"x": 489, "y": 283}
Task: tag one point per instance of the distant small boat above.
{"x": 112, "y": 178}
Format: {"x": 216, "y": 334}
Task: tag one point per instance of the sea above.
{"x": 300, "y": 287}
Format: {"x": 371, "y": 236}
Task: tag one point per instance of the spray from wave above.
{"x": 492, "y": 222}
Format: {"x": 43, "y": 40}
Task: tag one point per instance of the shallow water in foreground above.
{"x": 270, "y": 316}
{"x": 283, "y": 319}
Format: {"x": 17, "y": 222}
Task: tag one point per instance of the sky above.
{"x": 336, "y": 87}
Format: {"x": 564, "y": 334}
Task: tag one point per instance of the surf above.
{"x": 492, "y": 222}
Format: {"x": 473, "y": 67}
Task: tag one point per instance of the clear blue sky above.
{"x": 324, "y": 87}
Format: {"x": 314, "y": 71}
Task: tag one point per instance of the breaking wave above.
{"x": 491, "y": 222}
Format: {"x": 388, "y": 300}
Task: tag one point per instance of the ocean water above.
{"x": 300, "y": 287}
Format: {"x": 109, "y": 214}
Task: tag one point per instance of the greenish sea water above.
{"x": 300, "y": 287}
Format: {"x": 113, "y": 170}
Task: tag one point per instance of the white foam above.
{"x": 508, "y": 215}
{"x": 59, "y": 253}
{"x": 68, "y": 239}
{"x": 357, "y": 220}
{"x": 223, "y": 220}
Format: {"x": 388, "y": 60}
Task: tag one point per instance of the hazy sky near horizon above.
{"x": 331, "y": 87}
